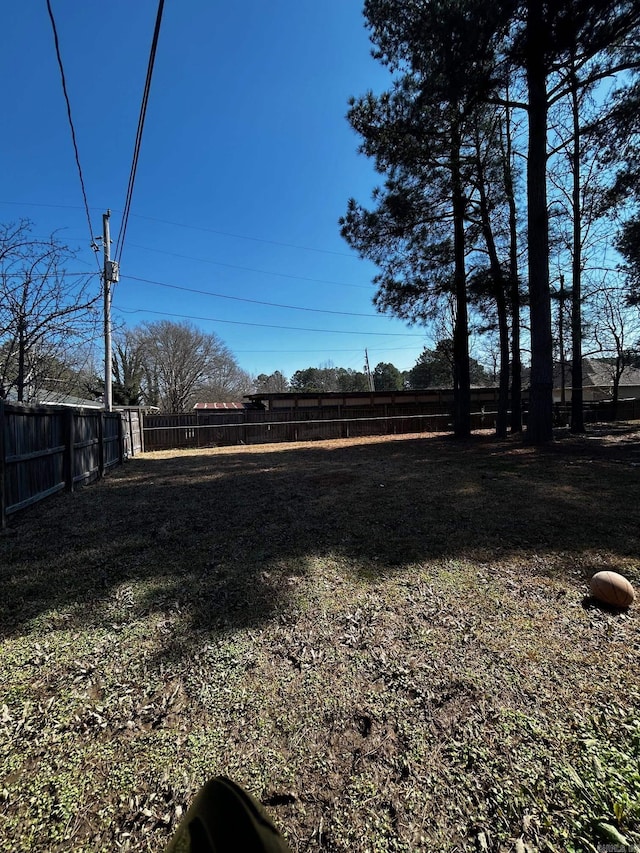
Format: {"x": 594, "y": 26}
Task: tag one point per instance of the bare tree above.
{"x": 128, "y": 367}
{"x": 45, "y": 311}
{"x": 181, "y": 363}
{"x": 275, "y": 382}
{"x": 228, "y": 383}
{"x": 616, "y": 330}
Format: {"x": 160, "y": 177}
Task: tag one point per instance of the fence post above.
{"x": 3, "y": 498}
{"x": 121, "y": 438}
{"x": 132, "y": 448}
{"x": 101, "y": 444}
{"x": 70, "y": 437}
{"x": 141, "y": 415}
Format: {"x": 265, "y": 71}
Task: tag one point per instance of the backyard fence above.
{"x": 252, "y": 426}
{"x": 598, "y": 411}
{"x": 195, "y": 429}
{"x": 44, "y": 450}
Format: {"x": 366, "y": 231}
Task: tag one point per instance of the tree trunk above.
{"x": 503, "y": 386}
{"x": 618, "y": 371}
{"x": 461, "y": 376}
{"x": 514, "y": 283}
{"x": 500, "y": 286}
{"x": 577, "y": 408}
{"x": 540, "y": 418}
{"x": 21, "y": 360}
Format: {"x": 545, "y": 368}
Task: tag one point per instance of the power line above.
{"x": 351, "y": 332}
{"x": 42, "y": 204}
{"x": 138, "y": 142}
{"x": 251, "y": 269}
{"x": 244, "y": 269}
{"x": 247, "y": 237}
{"x": 323, "y": 349}
{"x": 252, "y": 301}
{"x": 195, "y": 228}
{"x": 73, "y": 132}
{"x": 43, "y": 275}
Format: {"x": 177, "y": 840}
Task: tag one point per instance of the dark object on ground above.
{"x": 224, "y": 818}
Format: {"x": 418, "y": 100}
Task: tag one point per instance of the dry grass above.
{"x": 386, "y": 640}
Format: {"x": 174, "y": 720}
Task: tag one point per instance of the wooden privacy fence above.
{"x": 598, "y": 411}
{"x": 188, "y": 430}
{"x": 251, "y": 426}
{"x": 44, "y": 450}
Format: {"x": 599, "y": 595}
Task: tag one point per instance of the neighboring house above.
{"x": 59, "y": 398}
{"x": 385, "y": 402}
{"x": 597, "y": 385}
{"x": 597, "y": 381}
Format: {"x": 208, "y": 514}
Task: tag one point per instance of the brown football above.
{"x": 612, "y": 588}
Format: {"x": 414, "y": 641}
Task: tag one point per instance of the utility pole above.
{"x": 110, "y": 276}
{"x": 367, "y": 370}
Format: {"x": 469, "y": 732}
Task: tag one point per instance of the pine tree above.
{"x": 418, "y": 134}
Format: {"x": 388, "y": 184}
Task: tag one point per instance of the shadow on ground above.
{"x": 219, "y": 539}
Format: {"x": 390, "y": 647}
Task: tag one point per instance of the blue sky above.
{"x": 245, "y": 142}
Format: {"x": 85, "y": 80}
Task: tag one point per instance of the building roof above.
{"x": 598, "y": 373}
{"x": 59, "y": 398}
{"x": 223, "y": 406}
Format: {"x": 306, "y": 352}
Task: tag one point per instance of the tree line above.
{"x": 433, "y": 369}
{"x": 508, "y": 147}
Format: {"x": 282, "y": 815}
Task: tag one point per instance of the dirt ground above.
{"x": 388, "y": 641}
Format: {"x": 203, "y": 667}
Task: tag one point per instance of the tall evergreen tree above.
{"x": 387, "y": 377}
{"x": 562, "y": 48}
{"x": 492, "y": 278}
{"x": 417, "y": 133}
{"x": 620, "y": 135}
{"x": 450, "y": 59}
